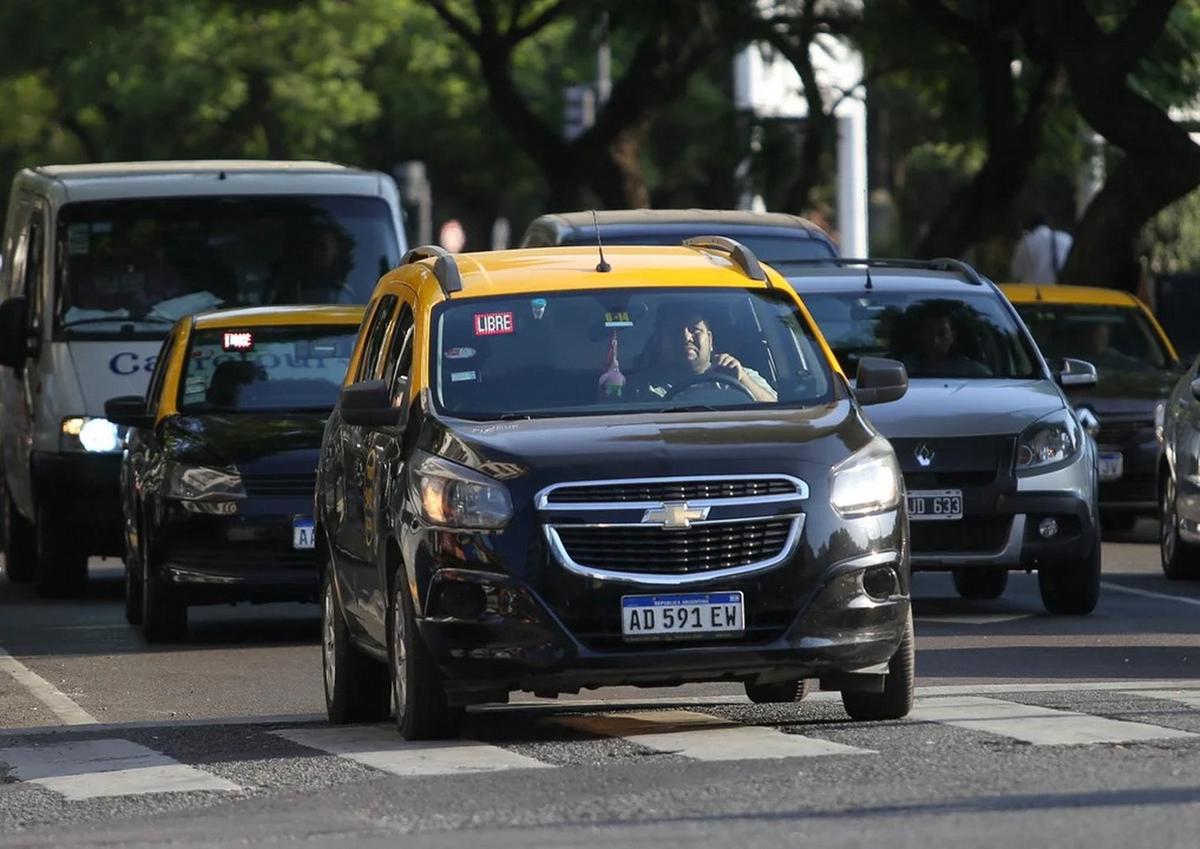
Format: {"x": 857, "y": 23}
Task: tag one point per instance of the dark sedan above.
{"x": 218, "y": 473}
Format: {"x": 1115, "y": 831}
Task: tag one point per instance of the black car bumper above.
{"x": 84, "y": 491}
{"x": 248, "y": 555}
{"x": 1136, "y": 490}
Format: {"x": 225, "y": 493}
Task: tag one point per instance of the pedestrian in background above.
{"x": 1041, "y": 252}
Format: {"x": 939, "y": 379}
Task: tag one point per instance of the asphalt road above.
{"x": 1029, "y": 730}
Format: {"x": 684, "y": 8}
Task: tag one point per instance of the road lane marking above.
{"x": 1191, "y": 698}
{"x": 382, "y": 748}
{"x": 59, "y": 703}
{"x": 702, "y": 737}
{"x": 1182, "y": 599}
{"x": 1037, "y": 725}
{"x": 88, "y": 769}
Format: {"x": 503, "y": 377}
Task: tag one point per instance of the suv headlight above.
{"x": 454, "y": 496}
{"x": 202, "y": 483}
{"x": 91, "y": 434}
{"x": 1050, "y": 441}
{"x": 866, "y": 482}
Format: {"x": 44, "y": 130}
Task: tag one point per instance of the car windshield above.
{"x": 964, "y": 336}
{"x": 132, "y": 267}
{"x": 1112, "y": 338}
{"x": 766, "y": 248}
{"x": 629, "y": 350}
{"x": 265, "y": 369}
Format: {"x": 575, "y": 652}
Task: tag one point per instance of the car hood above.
{"x": 1126, "y": 393}
{"x": 952, "y": 407}
{"x": 254, "y": 443}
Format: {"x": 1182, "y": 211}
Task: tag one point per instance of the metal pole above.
{"x": 852, "y": 178}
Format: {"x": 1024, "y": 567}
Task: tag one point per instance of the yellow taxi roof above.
{"x": 281, "y": 316}
{"x": 1028, "y": 293}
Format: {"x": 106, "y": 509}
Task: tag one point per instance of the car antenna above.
{"x": 869, "y": 284}
{"x": 601, "y": 266}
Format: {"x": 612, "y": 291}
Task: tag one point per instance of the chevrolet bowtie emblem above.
{"x": 675, "y": 515}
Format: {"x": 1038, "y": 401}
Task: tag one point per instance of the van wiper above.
{"x": 689, "y": 408}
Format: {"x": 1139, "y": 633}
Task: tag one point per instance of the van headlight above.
{"x": 866, "y": 482}
{"x": 202, "y": 483}
{"x": 91, "y": 434}
{"x": 1051, "y": 441}
{"x": 454, "y": 496}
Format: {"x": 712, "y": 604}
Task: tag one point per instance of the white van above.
{"x": 98, "y": 263}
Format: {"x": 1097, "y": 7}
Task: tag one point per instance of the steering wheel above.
{"x": 716, "y": 378}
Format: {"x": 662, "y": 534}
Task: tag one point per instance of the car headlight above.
{"x": 454, "y": 496}
{"x": 866, "y": 482}
{"x": 93, "y": 435}
{"x": 1050, "y": 441}
{"x": 202, "y": 483}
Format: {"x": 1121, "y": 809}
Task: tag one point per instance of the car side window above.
{"x": 376, "y": 334}
{"x": 158, "y": 376}
{"x": 399, "y": 356}
{"x": 31, "y": 287}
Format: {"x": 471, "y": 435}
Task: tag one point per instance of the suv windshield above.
{"x": 1114, "y": 339}
{"x": 968, "y": 335}
{"x": 632, "y": 350}
{"x": 135, "y": 266}
{"x": 260, "y": 369}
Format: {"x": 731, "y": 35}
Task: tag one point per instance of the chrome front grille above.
{"x": 701, "y": 548}
{"x": 690, "y": 490}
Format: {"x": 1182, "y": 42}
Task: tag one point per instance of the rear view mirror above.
{"x": 369, "y": 403}
{"x": 14, "y": 332}
{"x": 1076, "y": 373}
{"x": 128, "y": 410}
{"x": 880, "y": 381}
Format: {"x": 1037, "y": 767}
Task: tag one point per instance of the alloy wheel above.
{"x": 399, "y": 657}
{"x": 1169, "y": 521}
{"x": 328, "y": 637}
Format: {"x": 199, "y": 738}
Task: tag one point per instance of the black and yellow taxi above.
{"x": 218, "y": 472}
{"x": 1136, "y": 369}
{"x": 551, "y": 469}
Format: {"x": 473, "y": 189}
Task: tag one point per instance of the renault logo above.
{"x": 924, "y": 454}
{"x": 675, "y": 515}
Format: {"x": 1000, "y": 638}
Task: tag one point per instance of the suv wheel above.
{"x": 896, "y": 700}
{"x": 61, "y": 560}
{"x": 20, "y": 553}
{"x": 356, "y": 687}
{"x": 422, "y": 712}
{"x": 164, "y": 615}
{"x": 133, "y": 585}
{"x": 1071, "y": 587}
{"x": 779, "y": 691}
{"x": 980, "y": 583}
{"x": 1180, "y": 561}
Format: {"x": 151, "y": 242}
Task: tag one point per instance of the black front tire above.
{"x": 62, "y": 561}
{"x": 1180, "y": 561}
{"x": 418, "y": 691}
{"x": 356, "y": 686}
{"x": 164, "y": 613}
{"x": 20, "y": 550}
{"x": 133, "y": 591}
{"x": 1071, "y": 587}
{"x": 980, "y": 583}
{"x": 896, "y": 700}
{"x": 777, "y": 692}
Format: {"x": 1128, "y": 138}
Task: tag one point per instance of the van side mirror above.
{"x": 14, "y": 332}
{"x": 880, "y": 381}
{"x": 1076, "y": 373}
{"x": 128, "y": 410}
{"x": 369, "y": 403}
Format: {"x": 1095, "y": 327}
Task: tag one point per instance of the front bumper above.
{"x": 1136, "y": 490}
{"x": 85, "y": 490}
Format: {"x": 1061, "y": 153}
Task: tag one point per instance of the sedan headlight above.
{"x": 1050, "y": 441}
{"x": 202, "y": 483}
{"x": 93, "y": 435}
{"x": 866, "y": 482}
{"x": 454, "y": 496}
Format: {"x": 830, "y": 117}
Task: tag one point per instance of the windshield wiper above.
{"x": 115, "y": 320}
{"x": 689, "y": 408}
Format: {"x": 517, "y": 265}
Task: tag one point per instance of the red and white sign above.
{"x": 239, "y": 340}
{"x": 494, "y": 323}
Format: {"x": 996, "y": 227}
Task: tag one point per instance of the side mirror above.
{"x": 369, "y": 403}
{"x": 880, "y": 380}
{"x": 128, "y": 410}
{"x": 1076, "y": 373}
{"x": 1196, "y": 388}
{"x": 14, "y": 332}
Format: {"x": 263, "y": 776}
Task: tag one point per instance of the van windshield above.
{"x": 625, "y": 351}
{"x": 132, "y": 267}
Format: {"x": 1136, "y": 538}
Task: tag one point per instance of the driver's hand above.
{"x": 728, "y": 364}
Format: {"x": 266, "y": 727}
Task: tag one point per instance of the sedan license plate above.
{"x": 1112, "y": 465}
{"x": 695, "y": 614}
{"x": 303, "y": 535}
{"x": 934, "y": 504}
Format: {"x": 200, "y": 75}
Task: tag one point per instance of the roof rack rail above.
{"x": 940, "y": 264}
{"x": 740, "y": 254}
{"x": 444, "y": 266}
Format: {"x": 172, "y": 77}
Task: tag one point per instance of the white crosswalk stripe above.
{"x": 382, "y": 748}
{"x": 703, "y": 737}
{"x": 1038, "y": 725}
{"x": 86, "y": 769}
